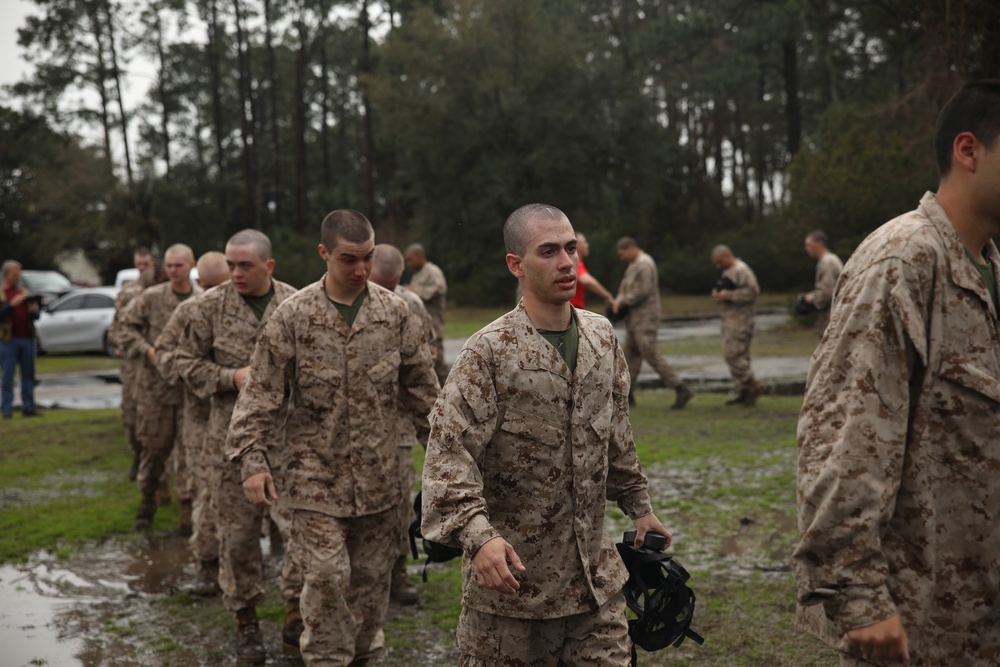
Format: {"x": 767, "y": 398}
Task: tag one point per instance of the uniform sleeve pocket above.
{"x": 530, "y": 427}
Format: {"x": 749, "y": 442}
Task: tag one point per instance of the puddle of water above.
{"x": 47, "y": 607}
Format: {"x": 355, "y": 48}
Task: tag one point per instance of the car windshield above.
{"x": 49, "y": 280}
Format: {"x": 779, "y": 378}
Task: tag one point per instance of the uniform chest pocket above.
{"x": 232, "y": 352}
{"x": 601, "y": 421}
{"x": 971, "y": 375}
{"x": 318, "y": 384}
{"x": 524, "y": 426}
{"x": 385, "y": 369}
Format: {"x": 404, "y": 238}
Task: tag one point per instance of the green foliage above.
{"x": 672, "y": 122}
{"x": 501, "y": 104}
{"x": 864, "y": 169}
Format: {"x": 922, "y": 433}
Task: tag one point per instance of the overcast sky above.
{"x": 12, "y": 14}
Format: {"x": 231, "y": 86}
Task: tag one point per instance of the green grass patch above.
{"x": 59, "y": 362}
{"x": 71, "y": 468}
{"x": 722, "y": 478}
{"x": 794, "y": 339}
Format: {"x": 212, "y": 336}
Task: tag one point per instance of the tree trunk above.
{"x": 102, "y": 77}
{"x": 324, "y": 82}
{"x": 215, "y": 82}
{"x": 250, "y": 217}
{"x": 793, "y": 112}
{"x": 369, "y": 139}
{"x": 299, "y": 122}
{"x": 162, "y": 90}
{"x": 118, "y": 87}
{"x": 276, "y": 190}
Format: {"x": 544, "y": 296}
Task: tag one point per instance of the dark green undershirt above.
{"x": 986, "y": 273}
{"x": 567, "y": 343}
{"x": 351, "y": 311}
{"x": 258, "y": 304}
{"x": 183, "y": 297}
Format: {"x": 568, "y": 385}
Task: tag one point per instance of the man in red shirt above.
{"x": 17, "y": 341}
{"x": 584, "y": 280}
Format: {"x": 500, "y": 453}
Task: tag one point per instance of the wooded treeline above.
{"x": 682, "y": 123}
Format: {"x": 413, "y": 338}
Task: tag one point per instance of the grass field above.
{"x": 722, "y": 478}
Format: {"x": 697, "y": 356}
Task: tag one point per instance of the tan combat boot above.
{"x": 753, "y": 393}
{"x": 401, "y": 589}
{"x": 292, "y": 632}
{"x": 249, "y": 644}
{"x": 147, "y": 510}
{"x": 207, "y": 584}
{"x": 684, "y": 395}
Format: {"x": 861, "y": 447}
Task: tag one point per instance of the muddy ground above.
{"x": 123, "y": 603}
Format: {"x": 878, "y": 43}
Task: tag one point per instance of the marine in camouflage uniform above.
{"x": 387, "y": 267}
{"x": 736, "y": 295}
{"x": 526, "y": 447}
{"x": 899, "y": 551}
{"x": 198, "y": 518}
{"x": 349, "y": 354}
{"x": 428, "y": 282}
{"x": 828, "y": 269}
{"x": 160, "y": 403}
{"x": 128, "y": 369}
{"x": 639, "y": 292}
{"x": 212, "y": 357}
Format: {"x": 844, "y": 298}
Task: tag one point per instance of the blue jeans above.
{"x": 18, "y": 352}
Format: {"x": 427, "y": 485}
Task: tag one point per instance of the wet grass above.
{"x": 68, "y": 467}
{"x": 721, "y": 477}
{"x": 795, "y": 339}
{"x": 65, "y": 362}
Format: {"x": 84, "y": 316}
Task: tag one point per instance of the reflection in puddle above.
{"x": 46, "y": 607}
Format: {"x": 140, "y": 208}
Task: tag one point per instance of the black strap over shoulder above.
{"x": 436, "y": 552}
{"x": 658, "y": 596}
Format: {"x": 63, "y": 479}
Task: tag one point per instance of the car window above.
{"x": 69, "y": 303}
{"x": 98, "y": 301}
{"x": 45, "y": 280}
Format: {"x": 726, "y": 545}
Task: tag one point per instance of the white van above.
{"x": 126, "y": 276}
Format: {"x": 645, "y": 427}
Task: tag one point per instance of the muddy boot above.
{"x": 683, "y": 396}
{"x": 292, "y": 632}
{"x": 739, "y": 399}
{"x": 184, "y": 526}
{"x": 753, "y": 393}
{"x": 133, "y": 470}
{"x": 401, "y": 589}
{"x": 163, "y": 494}
{"x": 207, "y": 584}
{"x": 249, "y": 644}
{"x": 147, "y": 510}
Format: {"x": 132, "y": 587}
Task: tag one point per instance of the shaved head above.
{"x": 515, "y": 234}
{"x": 212, "y": 269}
